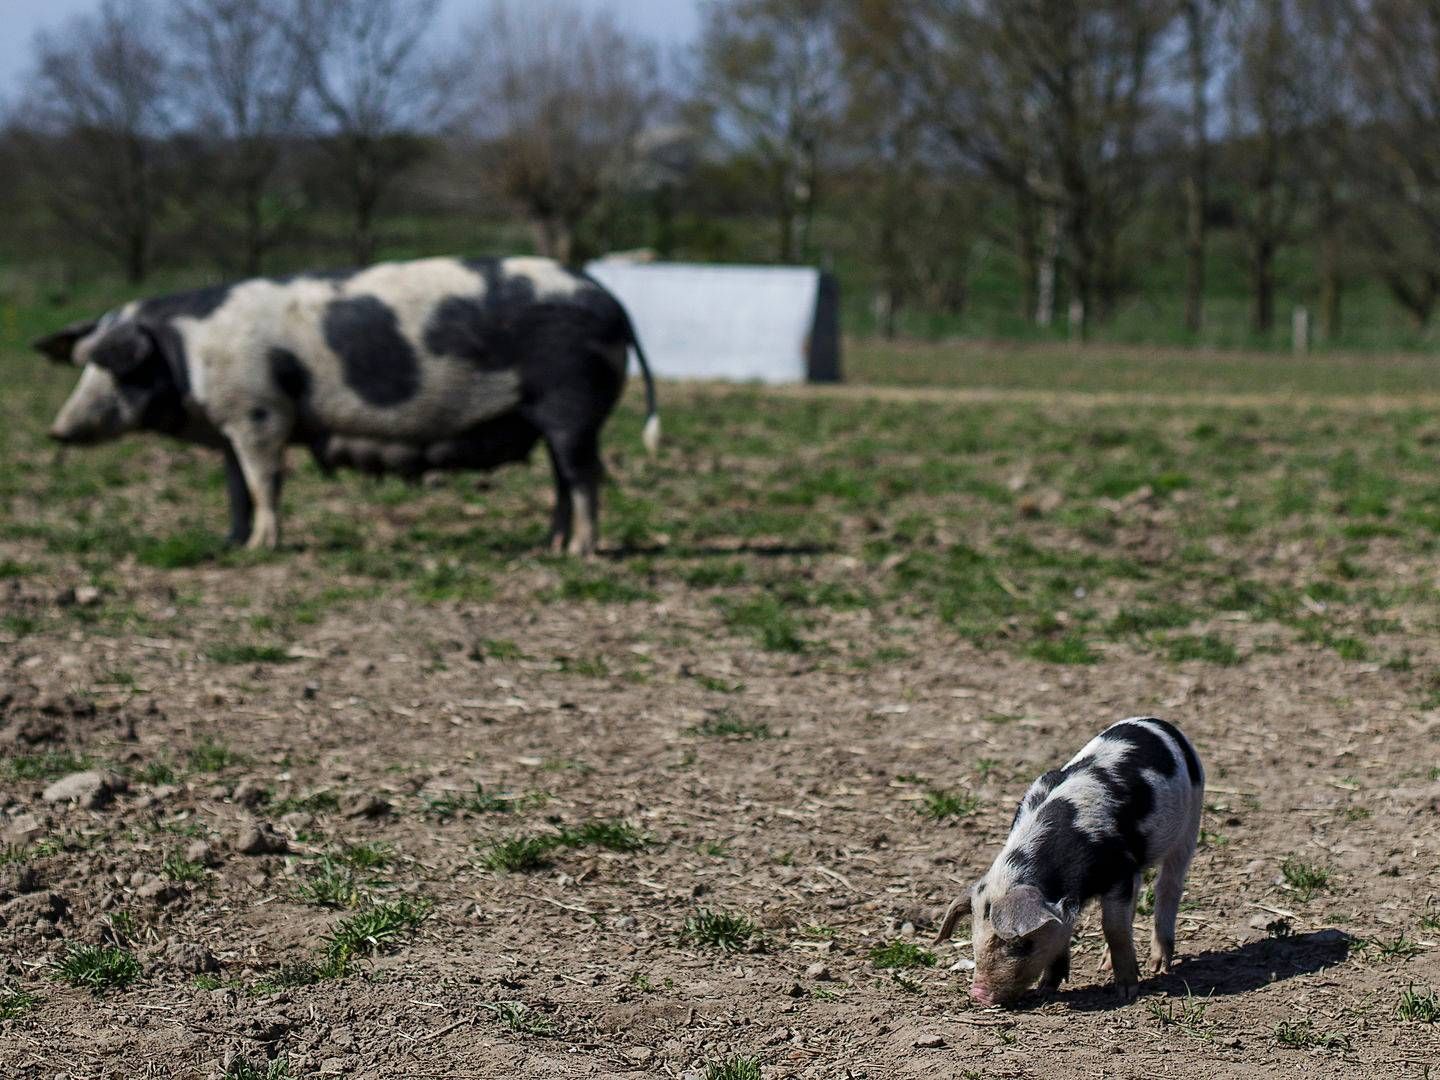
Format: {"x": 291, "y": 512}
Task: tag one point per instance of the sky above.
{"x": 669, "y": 22}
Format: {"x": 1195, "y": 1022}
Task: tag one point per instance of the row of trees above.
{"x": 935, "y": 128}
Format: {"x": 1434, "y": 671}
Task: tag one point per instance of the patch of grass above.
{"x": 719, "y": 686}
{"x": 190, "y": 548}
{"x": 98, "y": 968}
{"x": 940, "y": 804}
{"x": 519, "y": 1017}
{"x": 377, "y": 929}
{"x": 305, "y": 973}
{"x": 1305, "y": 878}
{"x": 1419, "y": 1005}
{"x": 713, "y": 575}
{"x": 727, "y": 725}
{"x": 901, "y": 956}
{"x": 1210, "y": 648}
{"x": 1070, "y": 649}
{"x": 1187, "y": 1013}
{"x": 245, "y": 1069}
{"x": 597, "y": 588}
{"x": 481, "y": 801}
{"x": 177, "y": 868}
{"x": 766, "y": 619}
{"x": 1302, "y": 1035}
{"x": 248, "y": 654}
{"x": 722, "y": 930}
{"x": 593, "y": 667}
{"x": 733, "y": 1068}
{"x": 374, "y": 855}
{"x": 16, "y": 1003}
{"x": 1398, "y": 948}
{"x": 50, "y": 765}
{"x": 610, "y": 835}
{"x": 156, "y": 773}
{"x": 211, "y": 756}
{"x": 1140, "y": 620}
{"x": 330, "y": 884}
{"x": 317, "y": 802}
{"x": 501, "y": 649}
{"x": 518, "y": 854}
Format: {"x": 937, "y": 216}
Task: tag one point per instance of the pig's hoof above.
{"x": 557, "y": 544}
{"x": 1128, "y": 991}
{"x": 1159, "y": 965}
{"x": 1104, "y": 966}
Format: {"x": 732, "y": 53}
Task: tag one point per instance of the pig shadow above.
{"x": 1221, "y": 972}
{"x": 703, "y": 551}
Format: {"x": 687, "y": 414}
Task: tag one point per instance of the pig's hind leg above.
{"x": 1169, "y": 886}
{"x": 242, "y": 508}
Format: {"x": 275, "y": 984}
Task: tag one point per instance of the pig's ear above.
{"x": 1022, "y": 911}
{"x": 952, "y": 916}
{"x": 123, "y": 349}
{"x": 60, "y": 346}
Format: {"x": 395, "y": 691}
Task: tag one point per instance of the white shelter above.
{"x": 772, "y": 324}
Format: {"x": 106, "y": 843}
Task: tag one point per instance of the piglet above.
{"x": 1130, "y": 800}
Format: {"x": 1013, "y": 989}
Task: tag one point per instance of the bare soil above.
{"x": 807, "y": 819}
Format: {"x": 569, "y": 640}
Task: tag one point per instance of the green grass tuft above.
{"x": 177, "y": 868}
{"x": 722, "y": 930}
{"x": 50, "y": 765}
{"x": 377, "y": 929}
{"x": 726, "y": 725}
{"x": 766, "y": 619}
{"x": 940, "y": 804}
{"x": 519, "y": 854}
{"x": 901, "y": 955}
{"x": 450, "y": 803}
{"x": 734, "y": 1068}
{"x": 520, "y": 1018}
{"x": 1209, "y": 648}
{"x": 1419, "y": 1005}
{"x": 1071, "y": 649}
{"x": 248, "y": 654}
{"x": 98, "y": 968}
{"x": 211, "y": 756}
{"x": 1305, "y": 878}
{"x": 16, "y": 1003}
{"x": 245, "y": 1069}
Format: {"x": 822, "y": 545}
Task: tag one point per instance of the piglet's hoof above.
{"x": 1128, "y": 991}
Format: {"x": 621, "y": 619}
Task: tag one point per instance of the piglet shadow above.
{"x": 1222, "y": 972}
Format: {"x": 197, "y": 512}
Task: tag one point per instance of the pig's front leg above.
{"x": 1058, "y": 971}
{"x": 261, "y": 456}
{"x": 1117, "y": 917}
{"x": 242, "y": 509}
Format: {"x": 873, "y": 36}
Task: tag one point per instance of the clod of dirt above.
{"x": 18, "y": 879}
{"x": 91, "y": 789}
{"x": 930, "y": 1042}
{"x": 190, "y": 958}
{"x": 39, "y": 909}
{"x": 249, "y": 793}
{"x": 22, "y": 831}
{"x": 818, "y": 972}
{"x": 159, "y": 891}
{"x": 365, "y": 806}
{"x": 201, "y": 852}
{"x": 261, "y": 839}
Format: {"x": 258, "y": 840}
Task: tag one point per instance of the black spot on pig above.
{"x": 1192, "y": 763}
{"x": 376, "y": 360}
{"x": 467, "y": 328}
{"x": 1068, "y": 862}
{"x": 1147, "y": 752}
{"x": 290, "y": 375}
{"x": 194, "y": 304}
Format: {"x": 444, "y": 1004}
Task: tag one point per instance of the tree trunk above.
{"x": 1332, "y": 285}
{"x": 1262, "y": 285}
{"x": 1197, "y": 181}
{"x": 1045, "y": 283}
{"x": 1027, "y": 250}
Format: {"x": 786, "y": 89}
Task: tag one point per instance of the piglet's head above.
{"x": 1017, "y": 936}
{"x": 125, "y": 382}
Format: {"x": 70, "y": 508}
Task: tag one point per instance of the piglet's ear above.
{"x": 60, "y": 346}
{"x": 1021, "y": 911}
{"x": 123, "y": 349}
{"x": 952, "y": 916}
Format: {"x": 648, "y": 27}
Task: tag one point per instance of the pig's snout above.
{"x": 981, "y": 994}
{"x": 60, "y": 435}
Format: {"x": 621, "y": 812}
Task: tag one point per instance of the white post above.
{"x": 1300, "y": 330}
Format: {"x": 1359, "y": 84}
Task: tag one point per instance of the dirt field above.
{"x": 669, "y": 813}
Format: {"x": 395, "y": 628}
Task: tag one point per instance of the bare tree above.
{"x": 770, "y": 74}
{"x": 1201, "y": 20}
{"x": 243, "y": 82}
{"x": 97, "y": 114}
{"x": 1268, "y": 114}
{"x": 1395, "y": 62}
{"x": 377, "y": 95}
{"x": 559, "y": 98}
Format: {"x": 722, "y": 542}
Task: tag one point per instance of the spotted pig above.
{"x": 407, "y": 366}
{"x": 1129, "y": 800}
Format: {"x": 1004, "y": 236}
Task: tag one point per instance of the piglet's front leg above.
{"x": 1116, "y": 919}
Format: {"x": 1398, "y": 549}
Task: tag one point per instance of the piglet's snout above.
{"x": 980, "y": 993}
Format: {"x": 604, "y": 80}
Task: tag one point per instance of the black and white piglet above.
{"x": 1130, "y": 800}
